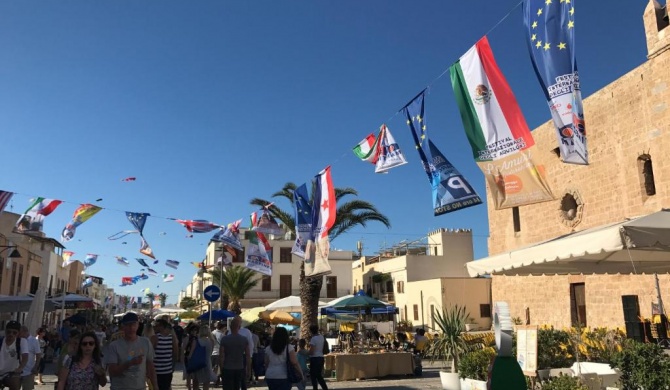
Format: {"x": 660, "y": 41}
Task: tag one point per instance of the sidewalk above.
{"x": 429, "y": 380}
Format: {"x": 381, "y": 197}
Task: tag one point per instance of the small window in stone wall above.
{"x": 646, "y": 170}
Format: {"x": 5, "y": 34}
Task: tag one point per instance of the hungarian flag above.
{"x": 368, "y": 149}
{"x": 31, "y": 221}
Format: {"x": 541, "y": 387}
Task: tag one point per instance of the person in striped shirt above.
{"x": 165, "y": 353}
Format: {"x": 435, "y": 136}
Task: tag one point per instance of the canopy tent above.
{"x": 19, "y": 304}
{"x": 291, "y": 303}
{"x": 217, "y": 315}
{"x": 169, "y": 310}
{"x": 73, "y": 301}
{"x": 330, "y": 311}
{"x": 640, "y": 245}
{"x": 250, "y": 316}
{"x": 359, "y": 302}
{"x": 279, "y": 317}
{"x": 340, "y": 299}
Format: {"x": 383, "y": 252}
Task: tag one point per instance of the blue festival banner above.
{"x": 138, "y": 220}
{"x": 303, "y": 220}
{"x": 451, "y": 191}
{"x": 550, "y": 26}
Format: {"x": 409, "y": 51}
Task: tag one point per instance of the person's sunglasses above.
{"x": 90, "y": 343}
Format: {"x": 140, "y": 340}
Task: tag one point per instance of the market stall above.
{"x": 349, "y": 366}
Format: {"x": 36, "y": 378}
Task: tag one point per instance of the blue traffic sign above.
{"x": 212, "y": 293}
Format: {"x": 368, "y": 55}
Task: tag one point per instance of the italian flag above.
{"x": 44, "y": 207}
{"x": 491, "y": 115}
{"x": 368, "y": 149}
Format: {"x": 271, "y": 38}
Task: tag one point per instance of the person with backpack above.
{"x": 13, "y": 356}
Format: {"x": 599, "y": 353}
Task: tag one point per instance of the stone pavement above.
{"x": 429, "y": 380}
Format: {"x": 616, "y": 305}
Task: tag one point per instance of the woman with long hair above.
{"x": 84, "y": 370}
{"x": 275, "y": 361}
{"x": 192, "y": 331}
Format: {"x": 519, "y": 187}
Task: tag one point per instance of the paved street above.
{"x": 429, "y": 380}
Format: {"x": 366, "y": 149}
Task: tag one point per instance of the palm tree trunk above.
{"x": 310, "y": 289}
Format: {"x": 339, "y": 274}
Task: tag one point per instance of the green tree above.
{"x": 349, "y": 215}
{"x": 188, "y": 303}
{"x": 235, "y": 282}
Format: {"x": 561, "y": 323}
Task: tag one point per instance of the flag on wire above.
{"x": 497, "y": 130}
{"x": 90, "y": 260}
{"x": 122, "y": 260}
{"x": 198, "y": 225}
{"x": 451, "y": 191}
{"x": 172, "y": 263}
{"x": 67, "y": 258}
{"x": 390, "y": 155}
{"x": 82, "y": 214}
{"x": 138, "y": 220}
{"x": 368, "y": 149}
{"x": 324, "y": 211}
{"x": 550, "y": 28}
{"x": 5, "y": 197}
{"x": 303, "y": 220}
{"x": 32, "y": 219}
{"x": 168, "y": 278}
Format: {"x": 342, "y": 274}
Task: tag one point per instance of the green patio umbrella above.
{"x": 358, "y": 302}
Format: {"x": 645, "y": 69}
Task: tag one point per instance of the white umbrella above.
{"x": 291, "y": 304}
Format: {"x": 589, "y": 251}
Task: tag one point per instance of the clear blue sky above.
{"x": 212, "y": 103}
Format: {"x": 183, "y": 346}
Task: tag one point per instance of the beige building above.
{"x": 628, "y": 124}
{"x": 422, "y": 277}
{"x": 285, "y": 279}
{"x": 21, "y": 276}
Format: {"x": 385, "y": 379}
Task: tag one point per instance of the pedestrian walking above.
{"x": 35, "y": 356}
{"x": 316, "y": 360}
{"x": 165, "y": 353}
{"x": 218, "y": 335}
{"x": 277, "y": 355}
{"x": 83, "y": 370}
{"x": 13, "y": 356}
{"x": 235, "y": 359}
{"x": 131, "y": 358}
{"x": 199, "y": 366}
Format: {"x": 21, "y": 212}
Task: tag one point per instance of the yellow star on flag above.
{"x": 562, "y": 1}
{"x": 572, "y": 11}
{"x": 418, "y": 118}
{"x": 539, "y": 12}
{"x": 424, "y": 129}
{"x": 533, "y": 37}
{"x": 567, "y": 1}
{"x": 571, "y": 24}
{"x": 534, "y": 25}
{"x": 538, "y": 44}
{"x": 547, "y": 46}
{"x": 547, "y": 2}
{"x": 423, "y": 136}
{"x": 408, "y": 122}
{"x": 561, "y": 46}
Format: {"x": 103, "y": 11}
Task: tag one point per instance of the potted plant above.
{"x": 449, "y": 344}
{"x": 473, "y": 368}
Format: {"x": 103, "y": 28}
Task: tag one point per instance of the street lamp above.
{"x": 13, "y": 254}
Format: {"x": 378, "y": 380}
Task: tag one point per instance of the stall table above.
{"x": 369, "y": 365}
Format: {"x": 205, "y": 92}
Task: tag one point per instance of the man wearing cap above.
{"x": 131, "y": 358}
{"x": 11, "y": 364}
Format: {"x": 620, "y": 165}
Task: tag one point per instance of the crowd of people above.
{"x": 139, "y": 353}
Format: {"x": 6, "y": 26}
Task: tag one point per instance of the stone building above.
{"x": 628, "y": 129}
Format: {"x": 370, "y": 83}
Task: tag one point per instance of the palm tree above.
{"x": 162, "y": 297}
{"x": 235, "y": 282}
{"x": 188, "y": 303}
{"x": 349, "y": 214}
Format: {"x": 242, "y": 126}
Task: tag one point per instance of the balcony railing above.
{"x": 387, "y": 297}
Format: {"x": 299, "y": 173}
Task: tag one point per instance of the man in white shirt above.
{"x": 12, "y": 362}
{"x": 34, "y": 357}
{"x": 218, "y": 335}
{"x": 316, "y": 360}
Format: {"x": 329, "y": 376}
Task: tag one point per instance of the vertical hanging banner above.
{"x": 67, "y": 258}
{"x": 451, "y": 191}
{"x": 550, "y": 28}
{"x": 82, "y": 214}
{"x": 33, "y": 218}
{"x": 258, "y": 256}
{"x": 138, "y": 220}
{"x": 324, "y": 209}
{"x": 501, "y": 141}
{"x": 303, "y": 220}
{"x": 266, "y": 223}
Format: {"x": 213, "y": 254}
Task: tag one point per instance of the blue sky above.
{"x": 212, "y": 103}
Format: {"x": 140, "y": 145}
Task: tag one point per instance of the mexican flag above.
{"x": 367, "y": 149}
{"x": 497, "y": 131}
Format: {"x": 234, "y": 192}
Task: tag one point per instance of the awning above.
{"x": 640, "y": 245}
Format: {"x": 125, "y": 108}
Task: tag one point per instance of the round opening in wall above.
{"x": 569, "y": 207}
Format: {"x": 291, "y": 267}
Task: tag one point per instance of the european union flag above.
{"x": 451, "y": 191}
{"x": 550, "y": 25}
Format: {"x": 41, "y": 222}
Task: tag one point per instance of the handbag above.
{"x": 198, "y": 359}
{"x": 326, "y": 347}
{"x": 292, "y": 374}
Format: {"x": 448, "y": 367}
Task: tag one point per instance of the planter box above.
{"x": 472, "y": 384}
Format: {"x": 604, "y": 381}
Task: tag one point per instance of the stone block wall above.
{"x": 548, "y": 297}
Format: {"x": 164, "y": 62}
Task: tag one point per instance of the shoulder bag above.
{"x": 292, "y": 374}
{"x": 198, "y": 359}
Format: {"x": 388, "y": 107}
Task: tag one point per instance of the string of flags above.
{"x": 501, "y": 142}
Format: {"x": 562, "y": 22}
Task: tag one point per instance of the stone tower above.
{"x": 656, "y": 28}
